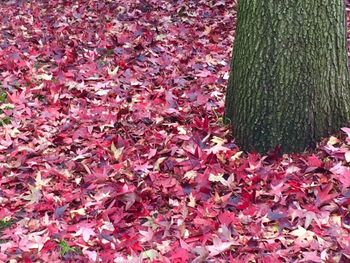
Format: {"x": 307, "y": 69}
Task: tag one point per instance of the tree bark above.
{"x": 289, "y": 80}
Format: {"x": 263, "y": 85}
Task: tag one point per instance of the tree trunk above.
{"x": 289, "y": 77}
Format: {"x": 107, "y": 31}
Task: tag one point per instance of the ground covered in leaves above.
{"x": 112, "y": 147}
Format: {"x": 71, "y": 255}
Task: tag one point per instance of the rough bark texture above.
{"x": 289, "y": 81}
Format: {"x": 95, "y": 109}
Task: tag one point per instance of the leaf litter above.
{"x": 112, "y": 147}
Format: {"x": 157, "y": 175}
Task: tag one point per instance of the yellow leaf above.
{"x": 34, "y": 196}
{"x": 158, "y": 163}
{"x": 192, "y": 202}
{"x": 216, "y": 178}
{"x": 117, "y": 152}
{"x": 181, "y": 130}
{"x": 236, "y": 156}
{"x": 44, "y": 77}
{"x": 113, "y": 72}
{"x": 190, "y": 175}
{"x": 347, "y": 156}
{"x": 80, "y": 211}
{"x": 332, "y": 140}
{"x": 207, "y": 30}
{"x": 39, "y": 183}
{"x": 218, "y": 140}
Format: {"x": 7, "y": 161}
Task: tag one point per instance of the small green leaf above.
{"x": 65, "y": 248}
{"x": 5, "y": 223}
{"x": 3, "y": 97}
